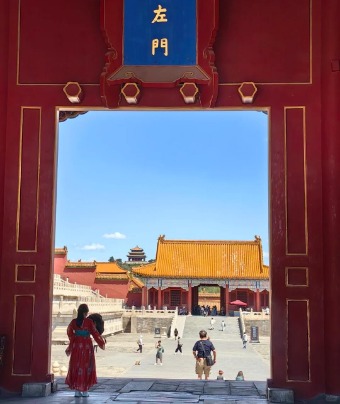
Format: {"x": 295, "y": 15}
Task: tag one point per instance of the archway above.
{"x": 296, "y": 80}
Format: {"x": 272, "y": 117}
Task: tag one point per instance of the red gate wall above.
{"x": 290, "y": 50}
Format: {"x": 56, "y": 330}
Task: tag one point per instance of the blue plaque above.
{"x": 160, "y": 33}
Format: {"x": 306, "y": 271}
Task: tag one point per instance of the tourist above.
{"x": 179, "y": 346}
{"x": 202, "y": 353}
{"x": 212, "y": 322}
{"x": 244, "y": 340}
{"x": 240, "y": 376}
{"x": 220, "y": 375}
{"x": 159, "y": 353}
{"x": 222, "y": 325}
{"x": 82, "y": 366}
{"x": 140, "y": 344}
{"x": 175, "y": 333}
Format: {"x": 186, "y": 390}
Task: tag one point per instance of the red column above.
{"x": 189, "y": 299}
{"x": 226, "y": 300}
{"x": 144, "y": 294}
{"x": 257, "y": 301}
{"x": 146, "y": 297}
{"x": 159, "y": 299}
{"x": 331, "y": 203}
{"x": 27, "y": 266}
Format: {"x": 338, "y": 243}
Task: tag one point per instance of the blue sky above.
{"x": 124, "y": 178}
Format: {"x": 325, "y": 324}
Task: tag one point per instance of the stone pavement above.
{"x": 147, "y": 391}
{"x": 174, "y": 382}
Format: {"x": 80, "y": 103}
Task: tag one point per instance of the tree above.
{"x": 111, "y": 259}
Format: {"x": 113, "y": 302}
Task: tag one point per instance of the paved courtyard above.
{"x": 121, "y": 379}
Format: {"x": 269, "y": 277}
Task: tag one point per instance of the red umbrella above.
{"x": 238, "y": 303}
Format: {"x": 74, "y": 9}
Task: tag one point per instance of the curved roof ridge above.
{"x": 212, "y": 241}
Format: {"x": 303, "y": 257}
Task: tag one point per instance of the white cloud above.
{"x": 93, "y": 246}
{"x": 265, "y": 254}
{"x": 115, "y": 235}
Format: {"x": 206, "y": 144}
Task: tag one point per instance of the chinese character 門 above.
{"x": 163, "y": 43}
{"x": 160, "y": 15}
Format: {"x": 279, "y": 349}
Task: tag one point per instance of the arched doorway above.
{"x": 294, "y": 65}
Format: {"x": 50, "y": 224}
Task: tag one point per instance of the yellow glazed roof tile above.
{"x": 207, "y": 259}
{"x": 109, "y": 268}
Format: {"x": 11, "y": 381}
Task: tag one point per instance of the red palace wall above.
{"x": 87, "y": 276}
{"x": 290, "y": 50}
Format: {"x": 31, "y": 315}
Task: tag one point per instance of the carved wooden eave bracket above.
{"x": 64, "y": 115}
{"x": 153, "y": 76}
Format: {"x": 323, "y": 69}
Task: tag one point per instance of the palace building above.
{"x": 107, "y": 277}
{"x": 182, "y": 266}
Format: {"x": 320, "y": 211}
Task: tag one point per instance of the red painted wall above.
{"x": 87, "y": 276}
{"x": 59, "y": 263}
{"x": 290, "y": 49}
{"x": 4, "y": 25}
{"x": 116, "y": 289}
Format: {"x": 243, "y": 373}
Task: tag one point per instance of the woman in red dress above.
{"x": 82, "y": 367}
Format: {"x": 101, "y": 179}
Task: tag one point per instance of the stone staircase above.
{"x": 194, "y": 324}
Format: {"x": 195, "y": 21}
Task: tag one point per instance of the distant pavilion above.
{"x": 182, "y": 266}
{"x": 136, "y": 256}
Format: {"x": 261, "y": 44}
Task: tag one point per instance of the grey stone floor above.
{"x": 145, "y": 391}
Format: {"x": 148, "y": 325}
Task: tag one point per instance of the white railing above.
{"x": 101, "y": 305}
{"x": 113, "y": 326}
{"x": 65, "y": 288}
{"x": 150, "y": 311}
{"x": 256, "y": 315}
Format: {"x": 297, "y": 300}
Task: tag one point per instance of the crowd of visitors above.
{"x": 207, "y": 311}
{"x": 82, "y": 370}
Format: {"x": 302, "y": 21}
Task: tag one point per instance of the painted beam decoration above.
{"x": 159, "y": 43}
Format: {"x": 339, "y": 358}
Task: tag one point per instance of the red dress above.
{"x": 82, "y": 367}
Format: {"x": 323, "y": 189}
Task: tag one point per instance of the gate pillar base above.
{"x": 280, "y": 395}
{"x": 36, "y": 389}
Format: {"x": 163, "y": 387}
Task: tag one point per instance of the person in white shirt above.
{"x": 140, "y": 344}
{"x": 222, "y": 325}
{"x": 245, "y": 340}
